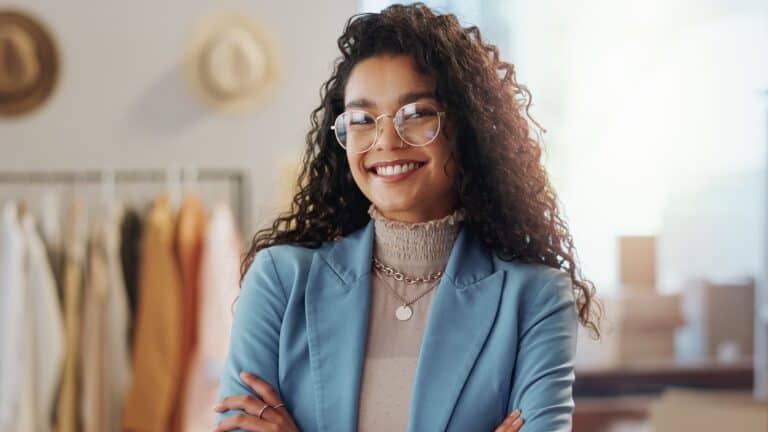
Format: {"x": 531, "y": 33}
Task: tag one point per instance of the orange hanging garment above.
{"x": 157, "y": 344}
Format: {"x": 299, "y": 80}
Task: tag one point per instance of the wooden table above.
{"x": 606, "y": 396}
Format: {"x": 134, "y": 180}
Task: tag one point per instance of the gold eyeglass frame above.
{"x": 440, "y": 115}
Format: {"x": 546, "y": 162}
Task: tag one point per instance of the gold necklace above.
{"x": 404, "y": 312}
{"x": 389, "y": 271}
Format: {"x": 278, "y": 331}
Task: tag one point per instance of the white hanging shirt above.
{"x": 43, "y": 335}
{"x": 11, "y": 309}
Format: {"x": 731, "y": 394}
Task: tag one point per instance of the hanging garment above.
{"x": 157, "y": 347}
{"x": 105, "y": 360}
{"x": 130, "y": 247}
{"x": 50, "y": 231}
{"x": 12, "y": 307}
{"x": 219, "y": 280}
{"x": 190, "y": 231}
{"x": 43, "y": 336}
{"x": 118, "y": 332}
{"x": 72, "y": 278}
{"x": 92, "y": 361}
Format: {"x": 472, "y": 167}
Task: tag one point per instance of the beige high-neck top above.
{"x": 392, "y": 350}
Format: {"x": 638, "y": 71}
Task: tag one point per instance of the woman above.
{"x": 423, "y": 279}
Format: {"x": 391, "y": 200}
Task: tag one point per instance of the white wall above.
{"x": 122, "y": 102}
{"x": 657, "y": 125}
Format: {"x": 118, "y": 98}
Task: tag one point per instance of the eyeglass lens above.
{"x": 417, "y": 124}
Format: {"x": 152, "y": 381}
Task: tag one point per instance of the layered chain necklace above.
{"x": 404, "y": 311}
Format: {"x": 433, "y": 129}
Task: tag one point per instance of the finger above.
{"x": 247, "y": 403}
{"x": 507, "y": 423}
{"x": 267, "y": 394}
{"x": 265, "y": 391}
{"x": 517, "y": 424}
{"x": 250, "y": 404}
{"x": 242, "y": 421}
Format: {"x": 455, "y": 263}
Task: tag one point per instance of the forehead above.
{"x": 383, "y": 79}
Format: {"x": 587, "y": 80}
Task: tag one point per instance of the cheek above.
{"x": 445, "y": 164}
{"x": 356, "y": 167}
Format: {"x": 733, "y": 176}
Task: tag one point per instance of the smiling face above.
{"x": 405, "y": 183}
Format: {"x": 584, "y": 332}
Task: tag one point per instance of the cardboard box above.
{"x": 637, "y": 262}
{"x": 640, "y": 346}
{"x": 649, "y": 311}
{"x": 718, "y": 313}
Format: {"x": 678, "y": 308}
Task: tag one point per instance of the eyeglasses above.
{"x": 417, "y": 124}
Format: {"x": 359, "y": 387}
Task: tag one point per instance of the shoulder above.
{"x": 292, "y": 262}
{"x": 282, "y": 264}
{"x": 290, "y": 256}
{"x": 544, "y": 296}
{"x": 536, "y": 283}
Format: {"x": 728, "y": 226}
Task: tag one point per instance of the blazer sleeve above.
{"x": 254, "y": 339}
{"x": 543, "y": 379}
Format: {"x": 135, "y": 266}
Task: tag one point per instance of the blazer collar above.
{"x": 351, "y": 256}
{"x": 337, "y": 306}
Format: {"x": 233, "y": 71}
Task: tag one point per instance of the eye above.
{"x": 418, "y": 114}
{"x": 417, "y": 111}
{"x": 413, "y": 115}
{"x": 358, "y": 118}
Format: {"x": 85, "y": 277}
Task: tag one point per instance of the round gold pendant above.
{"x": 403, "y": 313}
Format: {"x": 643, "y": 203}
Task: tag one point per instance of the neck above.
{"x": 415, "y": 245}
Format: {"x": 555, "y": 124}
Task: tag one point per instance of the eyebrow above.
{"x": 402, "y": 100}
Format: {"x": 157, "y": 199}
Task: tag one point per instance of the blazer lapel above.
{"x": 460, "y": 318}
{"x": 337, "y": 306}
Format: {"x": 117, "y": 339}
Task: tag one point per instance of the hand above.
{"x": 272, "y": 419}
{"x": 512, "y": 423}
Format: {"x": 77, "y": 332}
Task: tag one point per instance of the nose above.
{"x": 388, "y": 138}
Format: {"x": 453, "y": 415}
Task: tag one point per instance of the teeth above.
{"x": 396, "y": 169}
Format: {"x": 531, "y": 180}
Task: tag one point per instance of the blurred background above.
{"x": 143, "y": 143}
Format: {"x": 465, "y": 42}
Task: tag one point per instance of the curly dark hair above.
{"x": 501, "y": 183}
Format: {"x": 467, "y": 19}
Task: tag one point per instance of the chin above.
{"x": 408, "y": 210}
{"x": 395, "y": 206}
{"x": 389, "y": 200}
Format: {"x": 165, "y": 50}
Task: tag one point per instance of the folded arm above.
{"x": 254, "y": 340}
{"x": 543, "y": 379}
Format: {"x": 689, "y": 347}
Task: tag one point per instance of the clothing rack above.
{"x": 237, "y": 178}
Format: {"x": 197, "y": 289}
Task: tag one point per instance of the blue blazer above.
{"x": 500, "y": 335}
